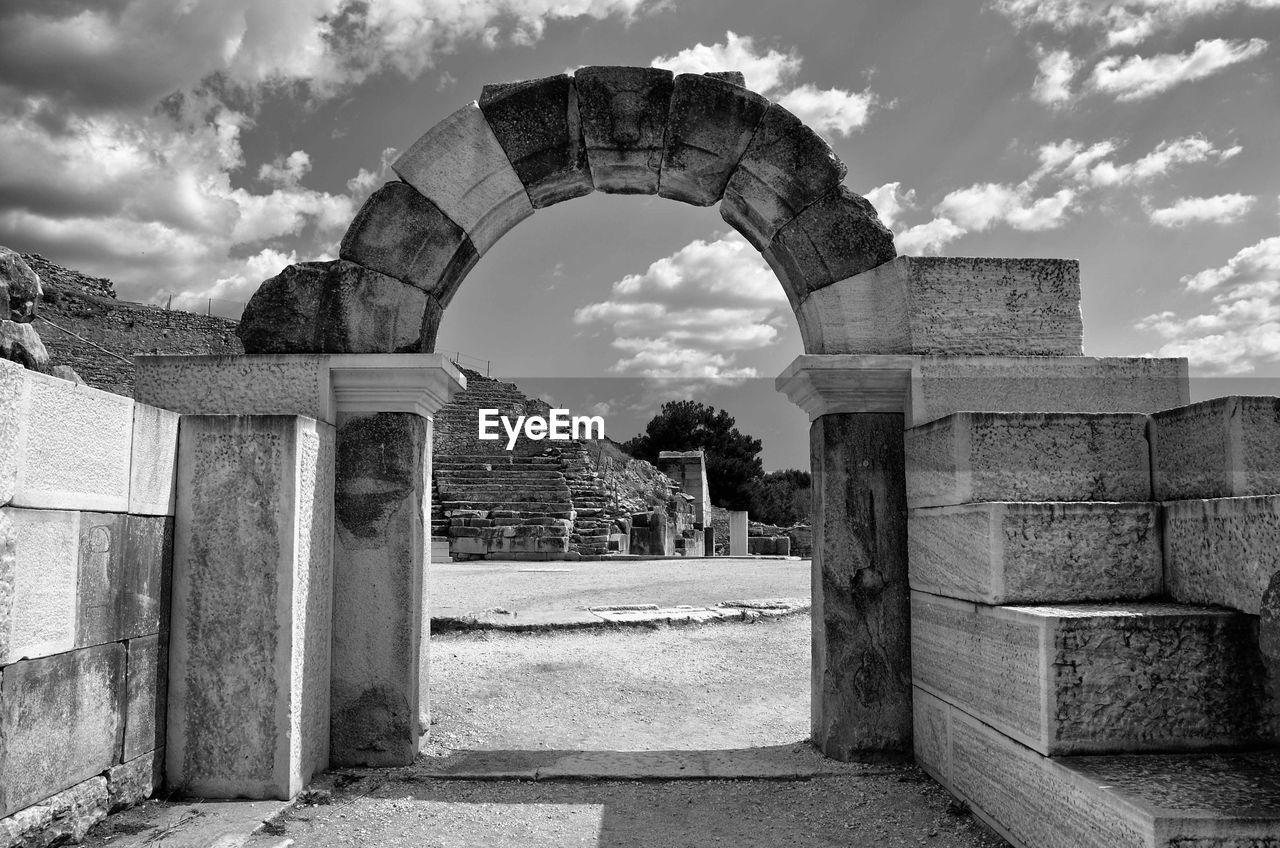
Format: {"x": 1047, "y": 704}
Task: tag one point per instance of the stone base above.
{"x": 997, "y": 553}
{"x": 61, "y": 819}
{"x": 1221, "y": 448}
{"x": 1222, "y": 551}
{"x": 1125, "y": 801}
{"x": 1095, "y": 678}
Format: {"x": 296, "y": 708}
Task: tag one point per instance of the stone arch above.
{"x": 696, "y": 138}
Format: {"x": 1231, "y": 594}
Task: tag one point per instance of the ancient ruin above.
{"x": 1045, "y": 574}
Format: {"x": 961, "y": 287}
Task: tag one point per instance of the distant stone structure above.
{"x": 689, "y": 471}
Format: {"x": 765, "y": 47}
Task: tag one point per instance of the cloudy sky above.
{"x": 195, "y": 147}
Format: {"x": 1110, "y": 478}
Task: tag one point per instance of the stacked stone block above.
{"x": 86, "y": 531}
{"x": 1045, "y": 626}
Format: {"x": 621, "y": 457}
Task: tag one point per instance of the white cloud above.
{"x": 1219, "y": 209}
{"x": 980, "y": 206}
{"x": 1093, "y": 167}
{"x": 286, "y": 171}
{"x": 1135, "y": 77}
{"x": 927, "y": 238}
{"x": 890, "y": 201}
{"x": 772, "y": 73}
{"x": 1124, "y": 23}
{"x": 1254, "y": 264}
{"x": 690, "y": 314}
{"x": 1057, "y": 69}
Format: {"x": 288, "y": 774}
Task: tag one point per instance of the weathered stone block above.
{"x": 710, "y": 125}
{"x": 61, "y": 721}
{"x": 624, "y": 119}
{"x": 146, "y": 687}
{"x": 77, "y": 449}
{"x": 786, "y": 167}
{"x": 13, "y": 424}
{"x": 1221, "y": 448}
{"x": 998, "y": 553}
{"x": 537, "y": 124}
{"x": 64, "y": 818}
{"x": 252, "y": 592}
{"x": 1222, "y": 551}
{"x": 21, "y": 343}
{"x": 136, "y": 780}
{"x": 368, "y": 312}
{"x": 43, "y": 608}
{"x": 284, "y": 313}
{"x": 459, "y": 165}
{"x": 100, "y": 578}
{"x": 148, "y": 570}
{"x": 265, "y": 384}
{"x": 1094, "y": 678}
{"x": 21, "y": 286}
{"x": 153, "y": 462}
{"x": 834, "y": 238}
{"x": 738, "y": 533}
{"x": 1028, "y": 456}
{"x": 8, "y": 573}
{"x": 402, "y": 234}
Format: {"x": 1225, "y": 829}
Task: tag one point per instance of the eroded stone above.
{"x": 459, "y": 165}
{"x": 786, "y": 167}
{"x": 100, "y": 578}
{"x": 283, "y": 315}
{"x": 148, "y": 570}
{"x": 45, "y": 555}
{"x": 20, "y": 343}
{"x": 837, "y": 236}
{"x": 1223, "y": 550}
{"x": 8, "y": 567}
{"x": 712, "y": 121}
{"x": 13, "y": 425}
{"x": 1095, "y": 678}
{"x": 22, "y": 286}
{"x": 402, "y": 234}
{"x": 153, "y": 462}
{"x": 998, "y": 553}
{"x": 136, "y": 780}
{"x": 1221, "y": 448}
{"x": 64, "y": 818}
{"x": 537, "y": 124}
{"x": 624, "y": 119}
{"x": 146, "y": 687}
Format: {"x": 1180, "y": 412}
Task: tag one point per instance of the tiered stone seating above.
{"x": 1048, "y": 621}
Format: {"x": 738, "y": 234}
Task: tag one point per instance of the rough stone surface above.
{"x": 283, "y": 315}
{"x": 76, "y": 455}
{"x": 43, "y": 582}
{"x": 710, "y": 125}
{"x": 459, "y": 165}
{"x": 60, "y": 718}
{"x": 148, "y": 569}
{"x": 786, "y": 167}
{"x": 20, "y": 343}
{"x": 1222, "y": 551}
{"x": 402, "y": 234}
{"x": 861, "y": 701}
{"x": 153, "y": 461}
{"x": 999, "y": 553}
{"x": 1221, "y": 448}
{"x": 58, "y": 820}
{"x": 100, "y": 578}
{"x": 538, "y": 126}
{"x": 22, "y": 285}
{"x": 135, "y": 780}
{"x": 1269, "y": 646}
{"x": 624, "y": 119}
{"x": 236, "y": 385}
{"x": 251, "y": 594}
{"x": 66, "y": 372}
{"x": 381, "y": 492}
{"x": 1094, "y": 678}
{"x": 8, "y": 567}
{"x": 836, "y": 237}
{"x": 145, "y": 690}
{"x": 1028, "y": 456}
{"x": 13, "y": 425}
{"x": 1117, "y": 801}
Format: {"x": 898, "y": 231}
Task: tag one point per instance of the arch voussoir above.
{"x": 624, "y": 120}
{"x": 537, "y": 124}
{"x": 711, "y": 123}
{"x": 786, "y": 167}
{"x": 459, "y": 166}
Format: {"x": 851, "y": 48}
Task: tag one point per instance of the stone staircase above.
{"x": 507, "y": 504}
{"x": 1085, "y": 634}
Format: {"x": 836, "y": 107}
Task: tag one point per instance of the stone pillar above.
{"x": 738, "y": 533}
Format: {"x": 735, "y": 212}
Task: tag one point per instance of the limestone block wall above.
{"x": 86, "y": 530}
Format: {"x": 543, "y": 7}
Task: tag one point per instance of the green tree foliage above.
{"x": 782, "y": 498}
{"x": 733, "y": 459}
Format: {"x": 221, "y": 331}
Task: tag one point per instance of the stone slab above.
{"x": 786, "y": 167}
{"x": 146, "y": 687}
{"x": 1222, "y": 550}
{"x": 45, "y": 563}
{"x": 624, "y": 121}
{"x": 710, "y": 125}
{"x": 538, "y": 126}
{"x": 1221, "y": 448}
{"x": 8, "y": 574}
{"x": 1120, "y": 801}
{"x": 61, "y": 721}
{"x": 930, "y": 387}
{"x": 459, "y": 165}
{"x": 1094, "y": 678}
{"x": 13, "y": 423}
{"x": 135, "y": 780}
{"x": 148, "y": 572}
{"x": 402, "y": 234}
{"x": 251, "y": 598}
{"x": 77, "y": 450}
{"x": 364, "y": 312}
{"x": 1028, "y": 456}
{"x": 738, "y": 533}
{"x": 153, "y": 460}
{"x": 64, "y": 818}
{"x": 262, "y": 384}
{"x": 998, "y": 553}
{"x": 837, "y": 236}
{"x": 100, "y": 578}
